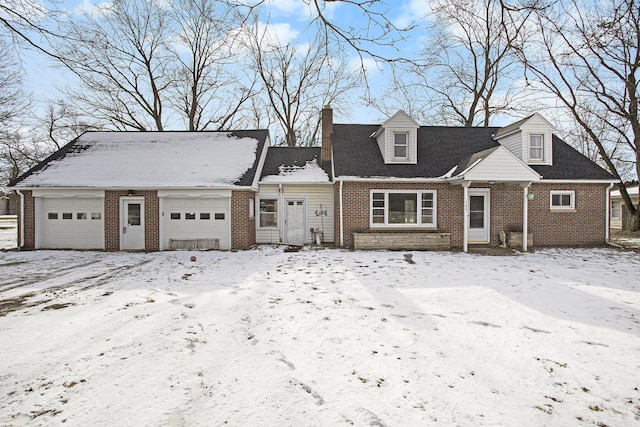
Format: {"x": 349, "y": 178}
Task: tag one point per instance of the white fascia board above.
{"x": 263, "y": 158}
{"x": 387, "y": 179}
{"x": 66, "y": 192}
{"x": 577, "y": 181}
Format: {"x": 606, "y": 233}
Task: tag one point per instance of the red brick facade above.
{"x": 112, "y": 219}
{"x": 243, "y": 227}
{"x": 583, "y": 227}
{"x": 29, "y": 222}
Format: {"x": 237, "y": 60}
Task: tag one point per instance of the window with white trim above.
{"x": 563, "y": 200}
{"x": 536, "y": 147}
{"x": 615, "y": 209}
{"x": 400, "y": 145}
{"x": 403, "y": 208}
{"x": 268, "y": 213}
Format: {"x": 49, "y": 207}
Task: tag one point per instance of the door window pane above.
{"x": 133, "y": 214}
{"x": 476, "y": 214}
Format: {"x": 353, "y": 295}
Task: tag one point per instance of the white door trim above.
{"x": 137, "y": 243}
{"x": 475, "y": 235}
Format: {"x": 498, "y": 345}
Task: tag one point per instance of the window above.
{"x": 218, "y": 216}
{"x": 615, "y": 209}
{"x": 81, "y": 215}
{"x": 67, "y": 215}
{"x": 403, "y": 208}
{"x": 400, "y": 145}
{"x": 205, "y": 215}
{"x": 563, "y": 200}
{"x": 268, "y": 213}
{"x": 536, "y": 147}
{"x": 96, "y": 215}
{"x": 190, "y": 215}
{"x": 175, "y": 215}
{"x": 52, "y": 215}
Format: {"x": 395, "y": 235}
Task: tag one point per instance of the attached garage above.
{"x": 196, "y": 223}
{"x": 70, "y": 222}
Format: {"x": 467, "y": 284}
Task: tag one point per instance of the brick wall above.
{"x": 243, "y": 228}
{"x": 586, "y": 226}
{"x": 112, "y": 219}
{"x": 29, "y": 221}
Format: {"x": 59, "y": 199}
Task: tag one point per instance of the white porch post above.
{"x": 465, "y": 244}
{"x": 525, "y": 218}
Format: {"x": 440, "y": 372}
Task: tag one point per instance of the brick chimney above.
{"x": 327, "y": 133}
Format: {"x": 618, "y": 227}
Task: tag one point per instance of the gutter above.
{"x": 21, "y": 237}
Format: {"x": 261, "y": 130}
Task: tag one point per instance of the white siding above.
{"x": 501, "y": 165}
{"x": 400, "y": 122}
{"x": 537, "y": 125}
{"x": 513, "y": 143}
{"x": 314, "y": 196}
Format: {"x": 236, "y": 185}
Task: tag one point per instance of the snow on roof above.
{"x": 310, "y": 172}
{"x": 149, "y": 159}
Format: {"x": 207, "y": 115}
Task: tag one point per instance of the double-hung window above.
{"x": 563, "y": 200}
{"x": 401, "y": 145}
{"x": 268, "y": 213}
{"x": 536, "y": 147}
{"x": 397, "y": 208}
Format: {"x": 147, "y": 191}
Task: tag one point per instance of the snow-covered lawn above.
{"x": 319, "y": 338}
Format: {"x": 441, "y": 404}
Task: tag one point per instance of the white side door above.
{"x": 478, "y": 215}
{"x": 132, "y": 223}
{"x": 295, "y": 228}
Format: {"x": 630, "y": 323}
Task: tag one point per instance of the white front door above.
{"x": 132, "y": 220}
{"x": 295, "y": 229}
{"x": 478, "y": 215}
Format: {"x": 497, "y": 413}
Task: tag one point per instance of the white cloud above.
{"x": 413, "y": 11}
{"x": 87, "y": 8}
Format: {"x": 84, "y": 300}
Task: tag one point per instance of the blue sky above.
{"x": 289, "y": 19}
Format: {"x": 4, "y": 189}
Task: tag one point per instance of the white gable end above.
{"x": 397, "y": 128}
{"x": 500, "y": 165}
{"x": 531, "y": 141}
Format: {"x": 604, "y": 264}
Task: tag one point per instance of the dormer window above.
{"x": 536, "y": 147}
{"x": 400, "y": 145}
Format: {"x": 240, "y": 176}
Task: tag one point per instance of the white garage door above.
{"x": 72, "y": 223}
{"x": 197, "y": 218}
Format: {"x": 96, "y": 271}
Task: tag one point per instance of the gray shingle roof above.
{"x": 292, "y": 156}
{"x": 440, "y": 149}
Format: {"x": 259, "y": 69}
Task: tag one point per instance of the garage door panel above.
{"x": 193, "y": 218}
{"x": 72, "y": 223}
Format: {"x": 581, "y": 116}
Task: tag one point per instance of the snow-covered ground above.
{"x": 320, "y": 338}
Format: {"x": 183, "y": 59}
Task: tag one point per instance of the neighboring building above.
{"x": 619, "y": 214}
{"x": 395, "y": 185}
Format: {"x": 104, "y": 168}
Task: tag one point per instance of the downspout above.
{"x": 21, "y": 237}
{"x": 341, "y": 218}
{"x": 281, "y": 212}
{"x": 607, "y": 224}
{"x": 465, "y": 234}
{"x": 525, "y": 219}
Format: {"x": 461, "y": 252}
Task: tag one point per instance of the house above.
{"x": 395, "y": 185}
{"x": 401, "y": 185}
{"x": 619, "y": 213}
{"x": 144, "y": 191}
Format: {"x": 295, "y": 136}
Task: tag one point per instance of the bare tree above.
{"x": 587, "y": 56}
{"x": 209, "y": 89}
{"x": 468, "y": 71}
{"x": 121, "y": 61}
{"x": 298, "y": 80}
